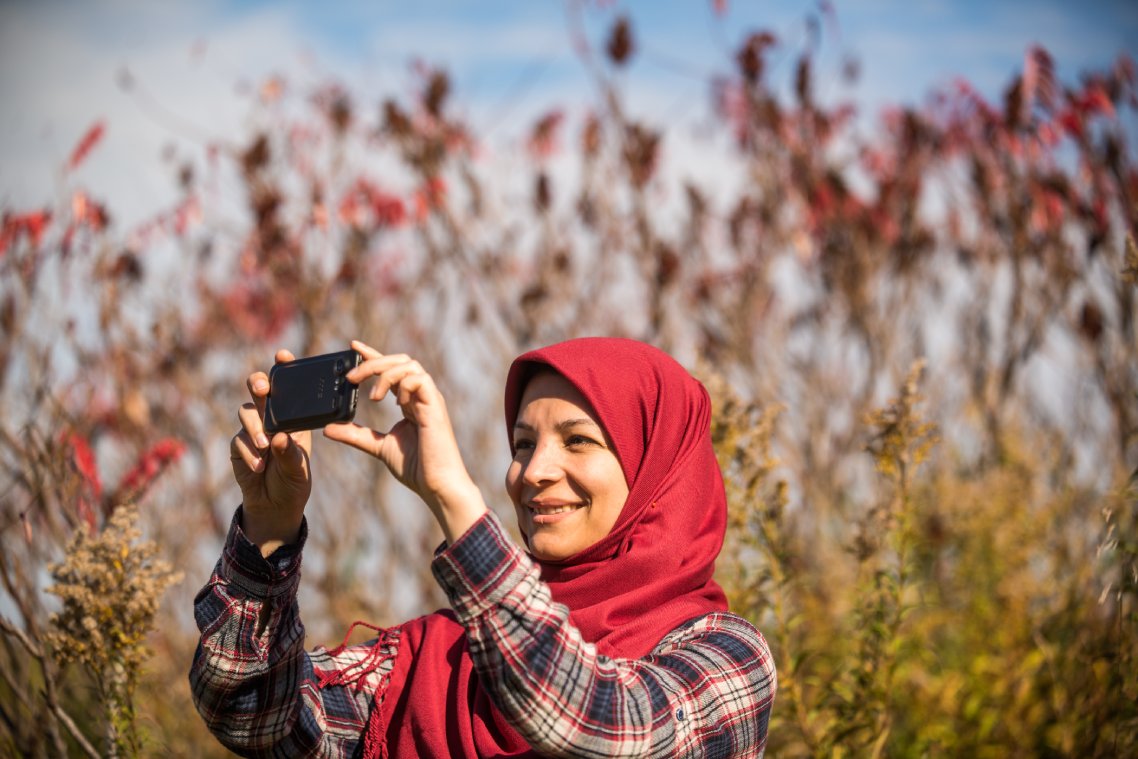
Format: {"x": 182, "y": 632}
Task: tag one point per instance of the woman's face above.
{"x": 565, "y": 480}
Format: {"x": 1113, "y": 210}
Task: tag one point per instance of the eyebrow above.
{"x": 562, "y": 426}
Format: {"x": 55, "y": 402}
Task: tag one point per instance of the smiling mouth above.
{"x": 551, "y": 514}
{"x": 552, "y": 510}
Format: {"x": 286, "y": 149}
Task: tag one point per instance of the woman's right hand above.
{"x": 274, "y": 474}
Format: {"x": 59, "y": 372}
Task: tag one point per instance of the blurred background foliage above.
{"x": 920, "y": 339}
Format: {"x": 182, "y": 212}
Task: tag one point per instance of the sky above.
{"x": 192, "y": 65}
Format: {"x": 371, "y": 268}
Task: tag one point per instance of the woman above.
{"x": 610, "y": 638}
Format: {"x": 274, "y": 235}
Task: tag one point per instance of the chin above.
{"x": 547, "y": 550}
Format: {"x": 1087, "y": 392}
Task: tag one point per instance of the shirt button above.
{"x": 679, "y": 714}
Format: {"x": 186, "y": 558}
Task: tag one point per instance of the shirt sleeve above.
{"x": 259, "y": 692}
{"x": 705, "y": 691}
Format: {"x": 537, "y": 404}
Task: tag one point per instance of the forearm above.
{"x": 253, "y": 683}
{"x": 704, "y": 688}
{"x": 458, "y": 509}
{"x": 251, "y": 645}
{"x": 270, "y": 531}
{"x": 559, "y": 694}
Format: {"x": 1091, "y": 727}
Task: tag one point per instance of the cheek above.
{"x": 611, "y": 484}
{"x": 514, "y": 481}
{"x": 514, "y": 491}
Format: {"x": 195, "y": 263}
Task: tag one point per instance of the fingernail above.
{"x": 260, "y": 386}
{"x": 262, "y": 441}
{"x": 258, "y": 464}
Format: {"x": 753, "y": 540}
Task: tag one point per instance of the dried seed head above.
{"x": 620, "y": 45}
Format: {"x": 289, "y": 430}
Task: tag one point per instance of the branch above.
{"x": 49, "y": 694}
{"x": 22, "y": 637}
{"x": 72, "y": 728}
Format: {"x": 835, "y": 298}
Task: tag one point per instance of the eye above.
{"x": 577, "y": 441}
{"x": 523, "y": 444}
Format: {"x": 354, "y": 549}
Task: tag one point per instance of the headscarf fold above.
{"x": 652, "y": 573}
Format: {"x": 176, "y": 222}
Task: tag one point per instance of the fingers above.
{"x": 413, "y": 381}
{"x": 251, "y": 415}
{"x": 241, "y": 448}
{"x": 363, "y": 438}
{"x": 399, "y": 371}
{"x": 258, "y": 386}
{"x": 401, "y": 376}
{"x": 365, "y": 350}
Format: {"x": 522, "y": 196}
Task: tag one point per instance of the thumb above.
{"x": 291, "y": 457}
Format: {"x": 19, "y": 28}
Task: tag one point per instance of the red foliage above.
{"x": 88, "y": 212}
{"x": 83, "y": 462}
{"x": 1039, "y": 85}
{"x": 83, "y": 459}
{"x": 543, "y": 138}
{"x": 186, "y": 214}
{"x": 86, "y": 143}
{"x": 1093, "y": 101}
{"x": 257, "y": 311}
{"x": 177, "y": 221}
{"x": 31, "y": 224}
{"x": 151, "y": 463}
{"x": 428, "y": 197}
{"x": 365, "y": 206}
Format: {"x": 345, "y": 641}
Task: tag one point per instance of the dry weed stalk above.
{"x": 866, "y": 695}
{"x": 110, "y": 586}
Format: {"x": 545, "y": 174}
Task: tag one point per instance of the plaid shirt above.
{"x": 705, "y": 690}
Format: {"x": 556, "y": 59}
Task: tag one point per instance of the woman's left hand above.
{"x": 420, "y": 449}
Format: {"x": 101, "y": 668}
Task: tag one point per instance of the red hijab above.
{"x": 651, "y": 574}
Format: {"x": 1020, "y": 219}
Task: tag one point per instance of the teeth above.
{"x": 555, "y": 510}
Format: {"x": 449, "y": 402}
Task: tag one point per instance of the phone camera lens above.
{"x": 339, "y": 366}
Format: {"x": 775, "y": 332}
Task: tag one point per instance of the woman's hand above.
{"x": 274, "y": 475}
{"x": 420, "y": 449}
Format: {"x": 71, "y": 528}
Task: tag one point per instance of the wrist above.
{"x": 458, "y": 508}
{"x": 270, "y": 532}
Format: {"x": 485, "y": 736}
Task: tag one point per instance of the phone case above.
{"x": 308, "y": 393}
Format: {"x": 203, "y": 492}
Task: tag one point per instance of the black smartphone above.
{"x": 308, "y": 393}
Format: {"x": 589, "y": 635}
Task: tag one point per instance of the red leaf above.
{"x": 83, "y": 459}
{"x": 149, "y": 466}
{"x": 386, "y": 210}
{"x": 429, "y": 196}
{"x": 1071, "y": 122}
{"x": 1094, "y": 100}
{"x": 543, "y": 138}
{"x": 186, "y": 214}
{"x": 87, "y": 211}
{"x": 257, "y": 311}
{"x": 31, "y": 224}
{"x": 1039, "y": 79}
{"x": 84, "y": 146}
{"x": 87, "y": 514}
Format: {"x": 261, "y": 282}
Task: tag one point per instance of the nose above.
{"x": 543, "y": 465}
